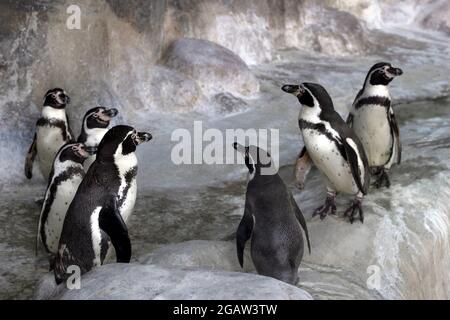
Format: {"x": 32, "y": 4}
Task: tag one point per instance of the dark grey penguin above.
{"x": 104, "y": 200}
{"x": 65, "y": 177}
{"x": 373, "y": 120}
{"x": 94, "y": 127}
{"x": 333, "y": 147}
{"x": 52, "y": 132}
{"x": 272, "y": 219}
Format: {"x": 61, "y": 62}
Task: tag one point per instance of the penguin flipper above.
{"x": 111, "y": 222}
{"x": 395, "y": 135}
{"x": 69, "y": 130}
{"x": 30, "y": 159}
{"x": 350, "y": 120}
{"x": 244, "y": 233}
{"x": 303, "y": 166}
{"x": 356, "y": 157}
{"x": 301, "y": 220}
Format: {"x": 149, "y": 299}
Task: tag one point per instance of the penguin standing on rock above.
{"x": 52, "y": 132}
{"x": 373, "y": 120}
{"x": 333, "y": 147}
{"x": 272, "y": 219}
{"x": 102, "y": 204}
{"x": 65, "y": 177}
{"x": 95, "y": 125}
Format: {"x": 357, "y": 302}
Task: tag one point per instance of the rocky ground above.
{"x": 186, "y": 215}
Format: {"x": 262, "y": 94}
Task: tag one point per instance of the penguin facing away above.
{"x": 101, "y": 205}
{"x": 271, "y": 219}
{"x": 52, "y": 132}
{"x": 65, "y": 177}
{"x": 333, "y": 148}
{"x": 373, "y": 120}
{"x": 94, "y": 127}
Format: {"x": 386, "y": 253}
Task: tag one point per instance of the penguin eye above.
{"x": 95, "y": 115}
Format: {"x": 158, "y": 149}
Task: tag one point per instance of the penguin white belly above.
{"x": 55, "y": 220}
{"x": 48, "y": 142}
{"x": 127, "y": 207}
{"x": 371, "y": 125}
{"x": 326, "y": 156}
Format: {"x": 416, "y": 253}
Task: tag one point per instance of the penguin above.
{"x": 65, "y": 177}
{"x": 373, "y": 120}
{"x": 52, "y": 132}
{"x": 101, "y": 205}
{"x": 333, "y": 148}
{"x": 94, "y": 127}
{"x": 271, "y": 219}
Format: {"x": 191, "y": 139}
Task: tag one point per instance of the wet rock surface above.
{"x": 124, "y": 59}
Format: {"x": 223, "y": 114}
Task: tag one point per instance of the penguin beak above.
{"x": 394, "y": 72}
{"x": 141, "y": 137}
{"x": 294, "y": 89}
{"x": 90, "y": 150}
{"x": 108, "y": 114}
{"x": 239, "y": 147}
{"x": 111, "y": 113}
{"x": 66, "y": 98}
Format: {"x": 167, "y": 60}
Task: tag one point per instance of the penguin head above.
{"x": 98, "y": 117}
{"x": 76, "y": 152}
{"x": 382, "y": 73}
{"x": 120, "y": 141}
{"x": 310, "y": 95}
{"x": 255, "y": 158}
{"x": 56, "y": 98}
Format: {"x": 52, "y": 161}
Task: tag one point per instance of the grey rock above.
{"x": 149, "y": 282}
{"x": 215, "y": 68}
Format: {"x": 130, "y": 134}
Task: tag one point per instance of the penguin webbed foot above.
{"x": 329, "y": 205}
{"x": 355, "y": 209}
{"x": 382, "y": 179}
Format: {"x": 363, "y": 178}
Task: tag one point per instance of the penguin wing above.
{"x": 30, "y": 158}
{"x": 303, "y": 166}
{"x": 350, "y": 119}
{"x": 69, "y": 130}
{"x": 111, "y": 222}
{"x": 244, "y": 233}
{"x": 354, "y": 151}
{"x": 395, "y": 136}
{"x": 301, "y": 220}
{"x": 357, "y": 160}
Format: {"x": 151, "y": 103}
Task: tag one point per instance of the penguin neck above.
{"x": 52, "y": 113}
{"x": 378, "y": 90}
{"x": 259, "y": 178}
{"x": 310, "y": 114}
{"x": 93, "y": 135}
{"x": 125, "y": 163}
{"x": 63, "y": 166}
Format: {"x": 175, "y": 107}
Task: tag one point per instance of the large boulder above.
{"x": 215, "y": 68}
{"x": 149, "y": 282}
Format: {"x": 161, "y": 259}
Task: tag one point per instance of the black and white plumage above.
{"x": 65, "y": 177}
{"x": 52, "y": 132}
{"x": 333, "y": 147}
{"x": 94, "y": 127}
{"x": 373, "y": 120}
{"x": 102, "y": 204}
{"x": 271, "y": 219}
